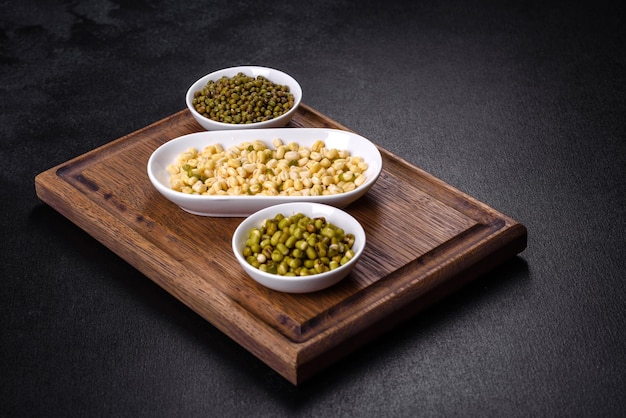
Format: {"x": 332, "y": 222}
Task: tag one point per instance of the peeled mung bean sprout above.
{"x": 253, "y": 168}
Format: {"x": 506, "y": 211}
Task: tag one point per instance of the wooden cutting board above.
{"x": 425, "y": 239}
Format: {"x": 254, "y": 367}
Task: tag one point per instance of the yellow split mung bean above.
{"x": 253, "y": 168}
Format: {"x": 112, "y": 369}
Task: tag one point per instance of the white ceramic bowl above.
{"x": 300, "y": 284}
{"x": 275, "y": 76}
{"x": 238, "y": 206}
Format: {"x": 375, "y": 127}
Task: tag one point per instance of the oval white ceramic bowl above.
{"x": 273, "y": 75}
{"x": 303, "y": 284}
{"x": 238, "y": 206}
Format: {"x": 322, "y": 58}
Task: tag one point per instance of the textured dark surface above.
{"x": 521, "y": 104}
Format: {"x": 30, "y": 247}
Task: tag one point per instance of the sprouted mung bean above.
{"x": 298, "y": 245}
{"x": 253, "y": 168}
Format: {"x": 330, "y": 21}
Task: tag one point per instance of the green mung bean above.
{"x": 242, "y": 99}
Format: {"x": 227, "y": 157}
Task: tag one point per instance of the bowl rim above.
{"x": 312, "y": 206}
{"x": 243, "y": 68}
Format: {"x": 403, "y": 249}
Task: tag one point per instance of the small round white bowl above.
{"x": 237, "y": 206}
{"x": 273, "y": 75}
{"x": 300, "y": 284}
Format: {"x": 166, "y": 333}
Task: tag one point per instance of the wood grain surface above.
{"x": 425, "y": 239}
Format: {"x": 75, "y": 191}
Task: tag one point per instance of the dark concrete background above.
{"x": 521, "y": 104}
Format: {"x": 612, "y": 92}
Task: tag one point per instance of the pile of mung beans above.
{"x": 242, "y": 99}
{"x": 298, "y": 245}
{"x": 252, "y": 168}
